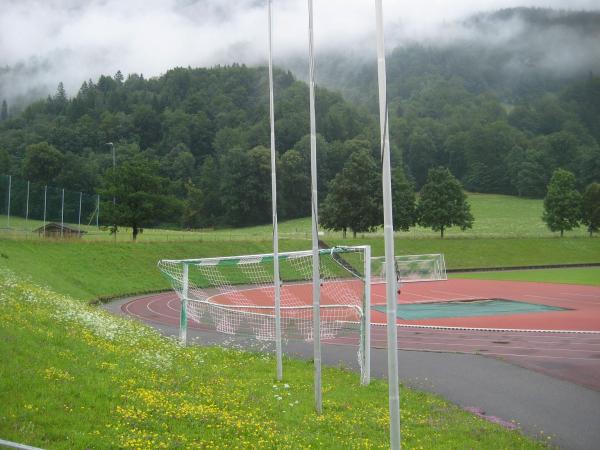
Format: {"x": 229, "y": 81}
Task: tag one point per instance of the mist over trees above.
{"x": 205, "y": 132}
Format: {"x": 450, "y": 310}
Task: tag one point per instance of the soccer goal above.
{"x": 412, "y": 268}
{"x": 236, "y": 295}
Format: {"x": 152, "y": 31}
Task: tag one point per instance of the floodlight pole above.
{"x": 277, "y": 281}
{"x": 315, "y": 218}
{"x": 390, "y": 272}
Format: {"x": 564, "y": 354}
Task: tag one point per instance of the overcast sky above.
{"x": 74, "y": 40}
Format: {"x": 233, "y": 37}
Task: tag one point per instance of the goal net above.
{"x": 236, "y": 295}
{"x": 412, "y": 268}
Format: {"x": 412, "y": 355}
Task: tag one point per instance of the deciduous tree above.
{"x": 562, "y": 205}
{"x": 403, "y": 199}
{"x": 353, "y": 201}
{"x": 139, "y": 195}
{"x": 590, "y": 208}
{"x": 443, "y": 203}
{"x": 42, "y": 163}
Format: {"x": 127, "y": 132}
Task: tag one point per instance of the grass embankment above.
{"x": 584, "y": 275}
{"x": 102, "y": 269}
{"x": 73, "y": 376}
{"x": 481, "y": 253}
{"x": 496, "y": 216}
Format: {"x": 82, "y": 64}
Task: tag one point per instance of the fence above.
{"x": 26, "y": 206}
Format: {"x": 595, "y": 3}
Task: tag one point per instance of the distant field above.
{"x": 495, "y": 216}
{"x": 88, "y": 270}
{"x": 584, "y": 275}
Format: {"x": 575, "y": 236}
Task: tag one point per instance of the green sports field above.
{"x": 584, "y": 275}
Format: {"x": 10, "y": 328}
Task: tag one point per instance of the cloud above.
{"x": 43, "y": 42}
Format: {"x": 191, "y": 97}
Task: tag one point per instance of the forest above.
{"x": 201, "y": 135}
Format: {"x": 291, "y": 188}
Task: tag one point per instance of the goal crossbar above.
{"x": 236, "y": 295}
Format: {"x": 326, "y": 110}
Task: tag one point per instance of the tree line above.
{"x": 200, "y": 138}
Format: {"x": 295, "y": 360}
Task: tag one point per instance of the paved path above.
{"x": 540, "y": 404}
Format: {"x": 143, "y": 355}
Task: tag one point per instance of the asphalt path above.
{"x": 539, "y": 404}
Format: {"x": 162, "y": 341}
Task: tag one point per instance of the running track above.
{"x": 562, "y": 344}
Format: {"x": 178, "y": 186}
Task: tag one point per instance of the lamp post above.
{"x": 112, "y": 147}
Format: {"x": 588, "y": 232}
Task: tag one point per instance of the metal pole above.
{"x": 98, "y": 212}
{"x": 315, "y": 218}
{"x": 277, "y": 281}
{"x": 8, "y": 208}
{"x": 367, "y": 318}
{"x": 27, "y": 208}
{"x": 184, "y": 302}
{"x": 62, "y": 213}
{"x": 390, "y": 272}
{"x": 79, "y": 215}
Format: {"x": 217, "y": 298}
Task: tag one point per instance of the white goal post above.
{"x": 412, "y": 268}
{"x": 236, "y": 295}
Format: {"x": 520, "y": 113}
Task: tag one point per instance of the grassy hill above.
{"x": 496, "y": 216}
{"x": 508, "y": 231}
{"x": 73, "y": 376}
{"x": 88, "y": 270}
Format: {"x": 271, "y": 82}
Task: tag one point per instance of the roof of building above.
{"x": 58, "y": 226}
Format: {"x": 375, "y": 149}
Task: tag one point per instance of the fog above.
{"x": 43, "y": 42}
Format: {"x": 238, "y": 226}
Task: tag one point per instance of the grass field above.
{"x": 103, "y": 269}
{"x": 584, "y": 275}
{"x": 495, "y": 216}
{"x": 73, "y": 376}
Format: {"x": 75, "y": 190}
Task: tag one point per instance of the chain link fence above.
{"x": 26, "y": 207}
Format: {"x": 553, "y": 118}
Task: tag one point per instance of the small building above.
{"x": 56, "y": 230}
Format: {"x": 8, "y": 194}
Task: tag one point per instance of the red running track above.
{"x": 563, "y": 344}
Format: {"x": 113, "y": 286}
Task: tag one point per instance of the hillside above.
{"x": 484, "y": 104}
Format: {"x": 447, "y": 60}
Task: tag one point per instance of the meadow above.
{"x": 496, "y": 216}
{"x": 73, "y": 376}
{"x": 579, "y": 275}
{"x": 92, "y": 270}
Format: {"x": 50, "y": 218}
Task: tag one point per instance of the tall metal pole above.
{"x": 98, "y": 212}
{"x": 367, "y": 319}
{"x": 8, "y": 207}
{"x": 62, "y": 213}
{"x": 27, "y": 208}
{"x": 315, "y": 217}
{"x": 277, "y": 281}
{"x": 184, "y": 302}
{"x": 388, "y": 226}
